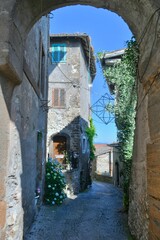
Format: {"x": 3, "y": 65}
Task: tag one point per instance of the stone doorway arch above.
{"x": 18, "y": 17}
{"x": 59, "y": 143}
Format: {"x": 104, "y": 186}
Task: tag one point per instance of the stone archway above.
{"x": 17, "y": 18}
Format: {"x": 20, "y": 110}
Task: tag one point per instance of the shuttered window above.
{"x": 59, "y": 53}
{"x": 58, "y": 98}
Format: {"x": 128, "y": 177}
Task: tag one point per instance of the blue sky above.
{"x": 108, "y": 32}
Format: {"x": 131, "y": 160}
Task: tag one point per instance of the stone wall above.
{"x": 103, "y": 166}
{"x": 28, "y": 118}
{"x": 138, "y": 209}
{"x": 107, "y": 163}
{"x": 72, "y": 182}
{"x": 153, "y": 160}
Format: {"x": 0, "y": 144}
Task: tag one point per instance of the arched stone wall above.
{"x": 17, "y": 18}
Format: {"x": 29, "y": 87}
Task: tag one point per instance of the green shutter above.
{"x": 63, "y": 53}
{"x": 59, "y": 52}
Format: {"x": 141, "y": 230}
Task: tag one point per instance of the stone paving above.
{"x": 93, "y": 215}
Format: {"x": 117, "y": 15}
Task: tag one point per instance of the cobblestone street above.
{"x": 93, "y": 215}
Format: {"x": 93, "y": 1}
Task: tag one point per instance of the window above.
{"x": 39, "y": 156}
{"x": 84, "y": 143}
{"x": 42, "y": 69}
{"x": 59, "y": 53}
{"x": 58, "y": 98}
{"x": 42, "y": 73}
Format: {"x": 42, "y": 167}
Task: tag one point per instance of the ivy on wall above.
{"x": 123, "y": 76}
{"x": 91, "y": 133}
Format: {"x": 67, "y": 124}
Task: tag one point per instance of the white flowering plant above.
{"x": 54, "y": 183}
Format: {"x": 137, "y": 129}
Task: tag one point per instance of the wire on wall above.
{"x": 74, "y": 84}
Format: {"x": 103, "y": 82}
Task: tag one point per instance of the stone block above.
{"x": 153, "y": 169}
{"x": 2, "y": 214}
{"x": 154, "y": 226}
{"x": 154, "y": 109}
{"x": 153, "y": 175}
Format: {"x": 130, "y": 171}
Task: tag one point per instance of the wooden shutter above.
{"x": 62, "y": 97}
{"x": 58, "y": 97}
{"x": 55, "y": 93}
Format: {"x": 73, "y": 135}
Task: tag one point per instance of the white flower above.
{"x": 61, "y": 196}
{"x": 55, "y": 199}
{"x": 48, "y": 174}
{"x": 53, "y": 188}
{"x": 49, "y": 186}
{"x": 53, "y": 202}
{"x": 57, "y": 194}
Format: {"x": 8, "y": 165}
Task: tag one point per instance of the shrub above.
{"x": 54, "y": 183}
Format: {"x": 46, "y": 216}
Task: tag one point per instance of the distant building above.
{"x": 107, "y": 166}
{"x": 109, "y": 59}
{"x": 71, "y": 73}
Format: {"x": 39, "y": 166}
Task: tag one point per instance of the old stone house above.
{"x": 107, "y": 165}
{"x": 71, "y": 72}
{"x": 16, "y": 20}
{"x": 108, "y": 60}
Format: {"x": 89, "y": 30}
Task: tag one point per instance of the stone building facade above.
{"x": 107, "y": 165}
{"x": 142, "y": 17}
{"x": 25, "y": 171}
{"x": 71, "y": 72}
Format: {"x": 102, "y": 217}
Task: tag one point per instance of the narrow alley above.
{"x": 93, "y": 215}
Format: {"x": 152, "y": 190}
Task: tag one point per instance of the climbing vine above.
{"x": 123, "y": 76}
{"x": 91, "y": 133}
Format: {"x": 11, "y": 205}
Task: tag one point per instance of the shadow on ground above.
{"x": 93, "y": 215}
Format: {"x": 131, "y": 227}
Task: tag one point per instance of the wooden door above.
{"x": 59, "y": 146}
